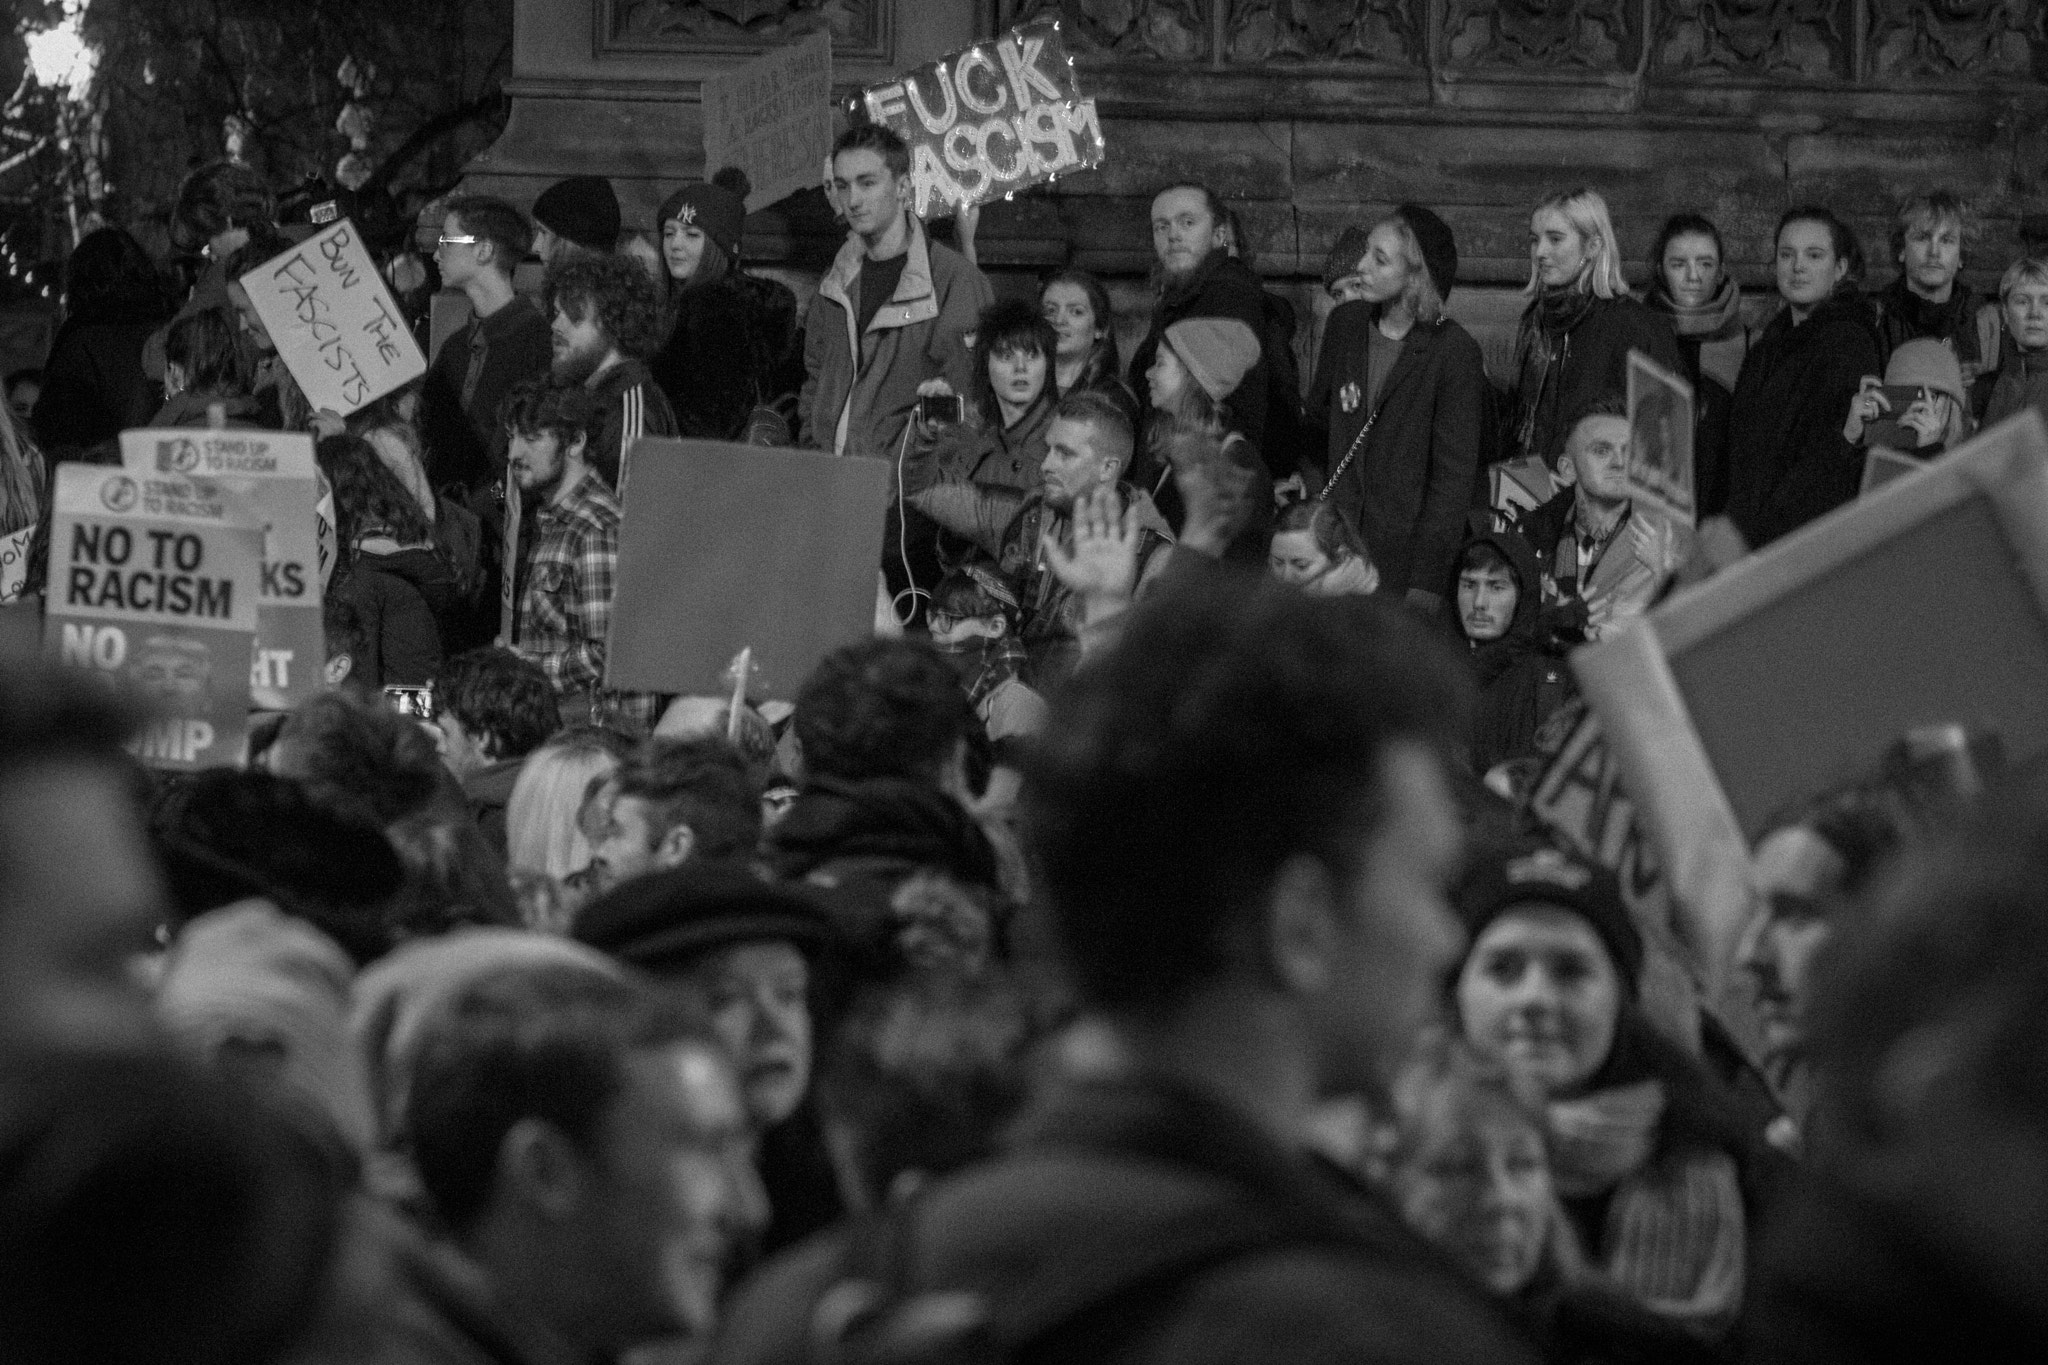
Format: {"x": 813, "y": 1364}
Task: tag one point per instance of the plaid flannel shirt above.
{"x": 565, "y": 613}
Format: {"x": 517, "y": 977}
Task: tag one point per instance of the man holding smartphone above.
{"x": 895, "y": 310}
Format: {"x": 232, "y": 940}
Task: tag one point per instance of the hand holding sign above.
{"x": 990, "y": 120}
{"x": 335, "y": 324}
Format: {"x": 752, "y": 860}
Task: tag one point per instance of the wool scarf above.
{"x": 1675, "y": 1235}
{"x": 1718, "y": 315}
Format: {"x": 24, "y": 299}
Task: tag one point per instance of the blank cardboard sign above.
{"x": 726, "y": 547}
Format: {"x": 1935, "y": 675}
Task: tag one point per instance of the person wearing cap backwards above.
{"x": 716, "y": 364}
{"x": 575, "y": 219}
{"x": 1399, "y": 401}
{"x": 1648, "y": 1156}
{"x": 753, "y": 956}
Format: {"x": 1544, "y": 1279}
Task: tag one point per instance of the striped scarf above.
{"x": 1675, "y": 1234}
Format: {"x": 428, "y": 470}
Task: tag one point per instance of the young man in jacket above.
{"x": 895, "y": 310}
{"x": 1246, "y": 859}
{"x": 506, "y": 340}
{"x": 607, "y": 321}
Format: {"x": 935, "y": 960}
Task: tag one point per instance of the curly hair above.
{"x": 1007, "y": 326}
{"x": 367, "y": 496}
{"x": 538, "y": 406}
{"x": 501, "y": 697}
{"x": 618, "y": 291}
{"x": 885, "y": 708}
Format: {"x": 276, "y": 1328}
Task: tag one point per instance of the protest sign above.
{"x": 14, "y": 552}
{"x": 726, "y": 547}
{"x": 1923, "y": 603}
{"x": 988, "y": 121}
{"x": 772, "y": 118}
{"x": 275, "y": 472}
{"x": 333, "y": 321}
{"x": 154, "y": 582}
{"x": 1660, "y": 465}
{"x": 508, "y": 584}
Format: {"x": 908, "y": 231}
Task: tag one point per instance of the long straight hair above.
{"x": 1587, "y": 212}
{"x": 21, "y": 476}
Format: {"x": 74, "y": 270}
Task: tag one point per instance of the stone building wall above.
{"x": 1312, "y": 114}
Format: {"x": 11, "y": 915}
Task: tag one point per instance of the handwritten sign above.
{"x": 1660, "y": 424}
{"x": 154, "y": 581}
{"x": 335, "y": 324}
{"x": 772, "y": 118}
{"x": 275, "y": 472}
{"x": 990, "y": 120}
{"x": 14, "y": 552}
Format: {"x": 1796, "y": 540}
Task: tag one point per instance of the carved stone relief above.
{"x": 1955, "y": 38}
{"x": 1386, "y": 32}
{"x": 860, "y": 28}
{"x": 1803, "y": 38}
{"x": 1165, "y": 30}
{"x": 1533, "y": 34}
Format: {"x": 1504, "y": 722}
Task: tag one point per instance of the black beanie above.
{"x": 1343, "y": 257}
{"x": 1439, "y": 247}
{"x": 1541, "y": 874}
{"x": 583, "y": 209}
{"x": 665, "y": 919}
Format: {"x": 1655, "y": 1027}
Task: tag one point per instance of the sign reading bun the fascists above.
{"x": 772, "y": 118}
{"x": 335, "y": 325}
{"x": 275, "y": 472}
{"x": 154, "y": 580}
{"x": 992, "y": 119}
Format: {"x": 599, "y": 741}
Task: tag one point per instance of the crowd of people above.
{"x": 1143, "y": 949}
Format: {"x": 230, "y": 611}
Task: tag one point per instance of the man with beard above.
{"x": 674, "y": 801}
{"x": 607, "y": 320}
{"x": 1197, "y": 277}
{"x": 566, "y": 579}
{"x": 1088, "y": 446}
{"x": 895, "y": 310}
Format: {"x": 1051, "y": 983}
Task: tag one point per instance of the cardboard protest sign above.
{"x": 1923, "y": 603}
{"x": 275, "y": 472}
{"x": 772, "y": 117}
{"x": 1660, "y": 423}
{"x": 154, "y": 582}
{"x": 988, "y": 121}
{"x": 14, "y": 552}
{"x": 333, "y": 321}
{"x": 726, "y": 547}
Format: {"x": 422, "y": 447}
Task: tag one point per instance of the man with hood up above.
{"x": 1497, "y": 589}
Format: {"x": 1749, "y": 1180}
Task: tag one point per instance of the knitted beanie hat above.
{"x": 583, "y": 209}
{"x": 1439, "y": 247}
{"x": 1539, "y": 874}
{"x": 1218, "y": 352}
{"x": 713, "y": 208}
{"x": 1928, "y": 363}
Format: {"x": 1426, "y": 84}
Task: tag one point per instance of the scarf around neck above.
{"x": 1675, "y": 1235}
{"x": 1539, "y": 348}
{"x": 1720, "y": 313}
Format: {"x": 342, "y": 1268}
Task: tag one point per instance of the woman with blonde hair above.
{"x": 1400, "y": 393}
{"x": 22, "y": 499}
{"x": 546, "y": 849}
{"x": 1580, "y": 324}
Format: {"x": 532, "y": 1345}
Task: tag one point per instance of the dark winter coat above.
{"x": 465, "y": 442}
{"x": 1788, "y": 460}
{"x": 1102, "y": 1171}
{"x": 718, "y": 361}
{"x": 2020, "y": 382}
{"x": 1407, "y": 490}
{"x": 401, "y": 598}
{"x": 1594, "y": 364}
{"x": 93, "y": 384}
{"x": 1520, "y": 685}
{"x": 1901, "y": 315}
{"x": 1222, "y": 287}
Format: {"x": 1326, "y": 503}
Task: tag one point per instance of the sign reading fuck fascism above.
{"x": 990, "y": 120}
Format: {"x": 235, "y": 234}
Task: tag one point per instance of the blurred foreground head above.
{"x": 1246, "y": 795}
{"x": 79, "y": 892}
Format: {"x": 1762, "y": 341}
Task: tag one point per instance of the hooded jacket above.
{"x": 93, "y": 384}
{"x": 401, "y": 598}
{"x": 717, "y": 362}
{"x": 1407, "y": 490}
{"x": 1519, "y": 685}
{"x": 1788, "y": 460}
{"x": 859, "y": 390}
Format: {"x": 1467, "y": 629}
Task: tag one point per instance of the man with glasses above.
{"x": 482, "y": 242}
